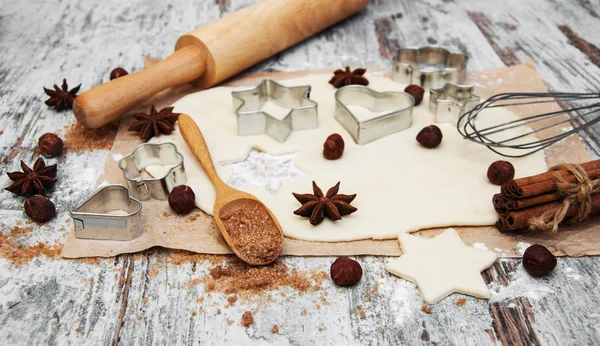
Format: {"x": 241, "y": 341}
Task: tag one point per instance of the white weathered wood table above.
{"x": 126, "y": 300}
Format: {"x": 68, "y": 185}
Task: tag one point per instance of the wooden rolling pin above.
{"x": 215, "y": 52}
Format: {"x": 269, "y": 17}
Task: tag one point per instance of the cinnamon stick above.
{"x": 501, "y": 224}
{"x": 519, "y": 219}
{"x": 543, "y": 183}
{"x": 587, "y": 166}
{"x": 505, "y": 191}
{"x": 499, "y": 202}
{"x": 516, "y": 204}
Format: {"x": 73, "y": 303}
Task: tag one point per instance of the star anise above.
{"x": 155, "y": 123}
{"x": 317, "y": 206}
{"x": 346, "y": 77}
{"x": 32, "y": 181}
{"x": 61, "y": 98}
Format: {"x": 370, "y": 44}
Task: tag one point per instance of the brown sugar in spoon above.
{"x": 248, "y": 226}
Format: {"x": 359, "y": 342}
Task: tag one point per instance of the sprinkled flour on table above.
{"x": 522, "y": 246}
{"x": 480, "y": 246}
{"x": 521, "y": 285}
{"x": 571, "y": 273}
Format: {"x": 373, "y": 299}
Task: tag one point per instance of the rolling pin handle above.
{"x": 110, "y": 101}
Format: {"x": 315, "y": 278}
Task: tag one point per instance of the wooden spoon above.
{"x": 230, "y": 200}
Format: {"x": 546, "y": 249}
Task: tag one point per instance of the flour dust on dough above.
{"x": 401, "y": 186}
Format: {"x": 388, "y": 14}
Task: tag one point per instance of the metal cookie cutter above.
{"x": 396, "y": 105}
{"x": 148, "y": 154}
{"x": 429, "y": 67}
{"x": 451, "y": 101}
{"x": 252, "y": 120}
{"x": 109, "y": 214}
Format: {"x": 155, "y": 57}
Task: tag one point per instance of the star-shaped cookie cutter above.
{"x": 429, "y": 67}
{"x": 451, "y": 101}
{"x": 396, "y": 108}
{"x": 252, "y": 120}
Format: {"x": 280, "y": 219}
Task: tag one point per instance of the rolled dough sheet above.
{"x": 401, "y": 186}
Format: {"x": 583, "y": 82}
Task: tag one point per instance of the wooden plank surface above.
{"x": 154, "y": 297}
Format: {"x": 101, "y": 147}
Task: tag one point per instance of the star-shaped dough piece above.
{"x": 442, "y": 265}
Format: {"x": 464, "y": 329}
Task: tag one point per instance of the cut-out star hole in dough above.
{"x": 442, "y": 265}
{"x": 264, "y": 171}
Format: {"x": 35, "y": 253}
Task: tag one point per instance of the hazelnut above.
{"x": 118, "y": 72}
{"x": 181, "y": 199}
{"x": 416, "y": 92}
{"x": 345, "y": 271}
{"x": 538, "y": 261}
{"x": 430, "y": 136}
{"x": 333, "y": 148}
{"x": 50, "y": 145}
{"x": 39, "y": 208}
{"x": 501, "y": 172}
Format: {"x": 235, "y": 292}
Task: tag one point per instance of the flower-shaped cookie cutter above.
{"x": 252, "y": 120}
{"x": 451, "y": 101}
{"x": 165, "y": 158}
{"x": 109, "y": 214}
{"x": 395, "y": 108}
{"x": 429, "y": 67}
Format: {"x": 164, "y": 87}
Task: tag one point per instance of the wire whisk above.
{"x": 530, "y": 133}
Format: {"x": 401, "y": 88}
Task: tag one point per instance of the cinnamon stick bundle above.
{"x": 523, "y": 199}
{"x": 519, "y": 219}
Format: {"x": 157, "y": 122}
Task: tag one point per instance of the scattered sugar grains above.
{"x": 232, "y": 299}
{"x": 78, "y": 138}
{"x": 247, "y": 319}
{"x": 275, "y": 329}
{"x": 17, "y": 252}
{"x": 426, "y": 309}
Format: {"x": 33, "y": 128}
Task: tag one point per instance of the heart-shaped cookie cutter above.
{"x": 144, "y": 187}
{"x": 109, "y": 214}
{"x": 252, "y": 120}
{"x": 396, "y": 105}
{"x": 451, "y": 101}
{"x": 429, "y": 67}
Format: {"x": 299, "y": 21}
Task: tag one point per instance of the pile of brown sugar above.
{"x": 252, "y": 231}
{"x": 78, "y": 138}
{"x": 243, "y": 280}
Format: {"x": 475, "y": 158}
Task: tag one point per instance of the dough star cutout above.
{"x": 442, "y": 265}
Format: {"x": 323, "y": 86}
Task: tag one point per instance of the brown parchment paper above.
{"x": 197, "y": 232}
